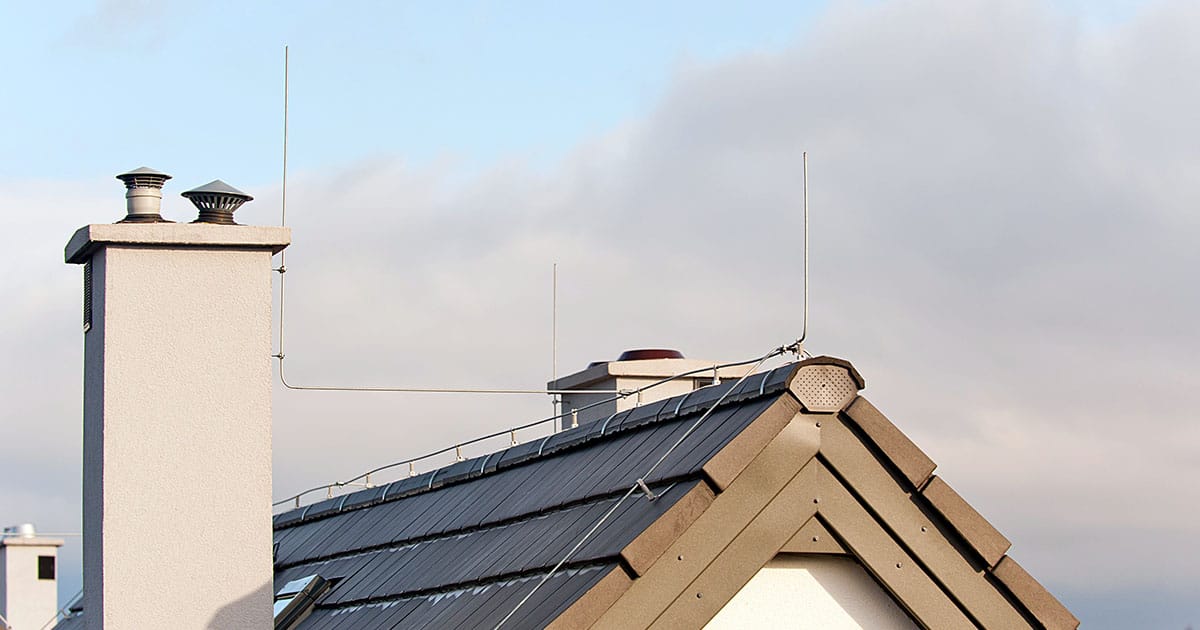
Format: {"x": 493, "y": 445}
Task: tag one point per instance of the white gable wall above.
{"x": 812, "y": 591}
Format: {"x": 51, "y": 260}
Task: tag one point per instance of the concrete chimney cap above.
{"x": 217, "y": 187}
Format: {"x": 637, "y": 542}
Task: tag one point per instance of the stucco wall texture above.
{"x": 177, "y": 431}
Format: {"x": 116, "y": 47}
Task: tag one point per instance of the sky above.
{"x": 1003, "y": 230}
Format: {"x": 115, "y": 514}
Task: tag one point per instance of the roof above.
{"x": 792, "y": 460}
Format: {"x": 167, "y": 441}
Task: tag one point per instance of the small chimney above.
{"x": 216, "y": 202}
{"x": 143, "y": 195}
{"x": 632, "y": 370}
{"x": 28, "y": 577}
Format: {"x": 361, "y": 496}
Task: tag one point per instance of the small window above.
{"x": 45, "y": 567}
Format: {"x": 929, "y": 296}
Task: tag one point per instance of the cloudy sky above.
{"x": 1004, "y": 230}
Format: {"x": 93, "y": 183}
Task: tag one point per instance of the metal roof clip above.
{"x": 641, "y": 484}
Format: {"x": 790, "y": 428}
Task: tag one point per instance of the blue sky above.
{"x": 1000, "y": 188}
{"x": 198, "y": 86}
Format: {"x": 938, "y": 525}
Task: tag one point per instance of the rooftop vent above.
{"x": 143, "y": 195}
{"x": 216, "y": 202}
{"x": 643, "y": 354}
{"x": 24, "y": 530}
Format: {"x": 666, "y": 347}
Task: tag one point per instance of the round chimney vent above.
{"x": 643, "y": 354}
{"x": 216, "y": 202}
{"x": 24, "y": 530}
{"x": 143, "y": 195}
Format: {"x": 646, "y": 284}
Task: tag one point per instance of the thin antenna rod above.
{"x": 283, "y": 204}
{"x": 283, "y": 209}
{"x": 554, "y": 326}
{"x": 804, "y": 324}
{"x": 554, "y": 338}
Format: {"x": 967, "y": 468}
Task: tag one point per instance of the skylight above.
{"x": 295, "y": 600}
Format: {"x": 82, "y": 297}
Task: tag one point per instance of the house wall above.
{"x": 25, "y": 600}
{"x": 177, "y": 431}
{"x": 812, "y": 591}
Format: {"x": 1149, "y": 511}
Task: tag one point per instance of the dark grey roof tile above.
{"x": 636, "y": 417}
{"x": 327, "y": 506}
{"x": 408, "y": 486}
{"x": 516, "y": 454}
{"x": 364, "y": 497}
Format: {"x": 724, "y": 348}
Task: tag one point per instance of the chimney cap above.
{"x": 216, "y": 187}
{"x": 24, "y": 530}
{"x": 643, "y": 354}
{"x": 216, "y": 201}
{"x": 143, "y": 176}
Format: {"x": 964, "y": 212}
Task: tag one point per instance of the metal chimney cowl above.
{"x": 216, "y": 202}
{"x": 143, "y": 195}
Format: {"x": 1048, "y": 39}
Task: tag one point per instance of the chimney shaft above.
{"x": 634, "y": 369}
{"x": 177, "y": 425}
{"x": 28, "y": 577}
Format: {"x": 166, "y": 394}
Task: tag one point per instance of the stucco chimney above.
{"x": 177, "y": 424}
{"x": 633, "y": 369}
{"x": 28, "y": 577}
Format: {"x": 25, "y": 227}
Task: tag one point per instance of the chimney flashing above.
{"x": 91, "y": 237}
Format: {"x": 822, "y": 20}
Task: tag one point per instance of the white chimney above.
{"x": 632, "y": 370}
{"x": 28, "y": 578}
{"x": 177, "y": 424}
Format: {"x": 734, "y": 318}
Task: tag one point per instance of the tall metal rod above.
{"x": 554, "y": 333}
{"x": 283, "y": 203}
{"x": 804, "y": 323}
{"x": 283, "y": 209}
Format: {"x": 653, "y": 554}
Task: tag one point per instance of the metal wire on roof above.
{"x": 364, "y": 479}
{"x": 640, "y": 484}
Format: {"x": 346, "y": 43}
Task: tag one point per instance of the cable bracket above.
{"x": 641, "y": 484}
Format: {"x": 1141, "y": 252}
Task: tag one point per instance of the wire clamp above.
{"x": 641, "y": 484}
{"x": 280, "y": 269}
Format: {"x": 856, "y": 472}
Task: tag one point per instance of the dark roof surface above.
{"x": 462, "y": 545}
